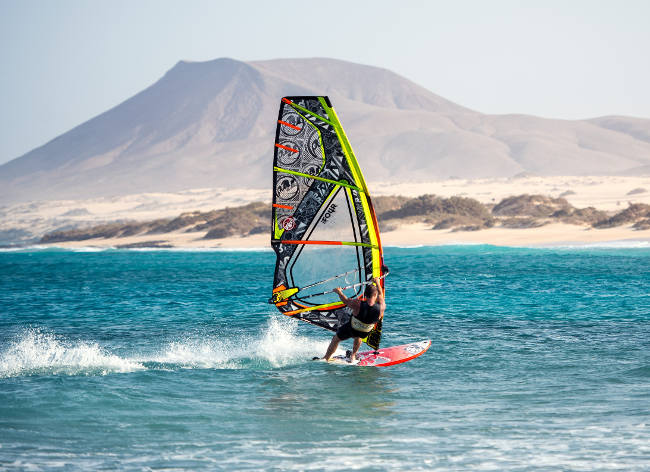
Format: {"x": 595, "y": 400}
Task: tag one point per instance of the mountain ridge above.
{"x": 209, "y": 124}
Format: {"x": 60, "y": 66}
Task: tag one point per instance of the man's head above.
{"x": 371, "y": 291}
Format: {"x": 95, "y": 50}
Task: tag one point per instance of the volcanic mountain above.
{"x": 212, "y": 124}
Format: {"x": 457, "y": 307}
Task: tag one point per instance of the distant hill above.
{"x": 211, "y": 124}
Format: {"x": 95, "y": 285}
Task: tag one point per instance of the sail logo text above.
{"x": 330, "y": 211}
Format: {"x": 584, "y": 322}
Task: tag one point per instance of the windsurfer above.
{"x": 364, "y": 316}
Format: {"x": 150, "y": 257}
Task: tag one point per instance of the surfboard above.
{"x": 386, "y": 356}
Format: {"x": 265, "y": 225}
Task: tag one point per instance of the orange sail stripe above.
{"x": 287, "y": 207}
{"x": 289, "y": 125}
{"x": 286, "y": 100}
{"x": 333, "y": 243}
{"x": 285, "y": 147}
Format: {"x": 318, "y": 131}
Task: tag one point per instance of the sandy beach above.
{"x": 409, "y": 235}
{"x": 610, "y": 194}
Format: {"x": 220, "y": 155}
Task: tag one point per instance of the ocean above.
{"x": 173, "y": 360}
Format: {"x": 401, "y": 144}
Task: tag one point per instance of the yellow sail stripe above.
{"x": 359, "y": 180}
{"x": 312, "y": 308}
{"x": 298, "y": 107}
{"x": 315, "y": 177}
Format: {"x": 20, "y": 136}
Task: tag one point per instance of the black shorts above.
{"x": 346, "y": 332}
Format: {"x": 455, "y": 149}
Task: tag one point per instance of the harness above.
{"x": 359, "y": 325}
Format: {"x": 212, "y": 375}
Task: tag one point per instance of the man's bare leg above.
{"x": 355, "y": 348}
{"x": 334, "y": 343}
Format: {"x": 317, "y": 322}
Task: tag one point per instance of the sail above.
{"x": 323, "y": 228}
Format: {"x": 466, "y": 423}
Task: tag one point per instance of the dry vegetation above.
{"x": 239, "y": 221}
{"x": 454, "y": 213}
{"x": 635, "y": 213}
{"x": 457, "y": 213}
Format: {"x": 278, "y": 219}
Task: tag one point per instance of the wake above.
{"x": 37, "y": 352}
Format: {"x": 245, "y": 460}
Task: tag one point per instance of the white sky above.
{"x": 64, "y": 62}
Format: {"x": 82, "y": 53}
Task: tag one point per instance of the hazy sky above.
{"x": 64, "y": 62}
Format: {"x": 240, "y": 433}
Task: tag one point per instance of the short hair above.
{"x": 371, "y": 289}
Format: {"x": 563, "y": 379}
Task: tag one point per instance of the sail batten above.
{"x": 323, "y": 223}
{"x": 313, "y": 177}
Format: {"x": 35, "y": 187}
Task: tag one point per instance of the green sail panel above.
{"x": 323, "y": 226}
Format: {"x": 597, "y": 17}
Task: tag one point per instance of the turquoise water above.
{"x": 147, "y": 360}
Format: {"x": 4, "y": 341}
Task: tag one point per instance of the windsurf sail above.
{"x": 323, "y": 229}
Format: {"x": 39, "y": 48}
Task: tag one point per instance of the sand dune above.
{"x": 603, "y": 193}
{"x": 32, "y": 220}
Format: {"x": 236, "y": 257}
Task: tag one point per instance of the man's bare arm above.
{"x": 380, "y": 290}
{"x": 380, "y": 297}
{"x": 353, "y": 303}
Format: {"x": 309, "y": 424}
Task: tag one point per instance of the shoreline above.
{"x": 411, "y": 235}
{"x": 27, "y": 222}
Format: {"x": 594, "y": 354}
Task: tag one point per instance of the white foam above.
{"x": 276, "y": 345}
{"x": 190, "y": 249}
{"x": 618, "y": 244}
{"x": 281, "y": 346}
{"x": 622, "y": 244}
{"x": 34, "y": 352}
{"x": 234, "y": 249}
{"x": 41, "y": 248}
{"x": 89, "y": 249}
{"x": 193, "y": 353}
{"x": 435, "y": 245}
{"x": 405, "y": 246}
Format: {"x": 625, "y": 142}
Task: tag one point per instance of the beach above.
{"x": 408, "y": 235}
{"x": 609, "y": 194}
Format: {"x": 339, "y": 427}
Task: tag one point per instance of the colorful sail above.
{"x": 324, "y": 229}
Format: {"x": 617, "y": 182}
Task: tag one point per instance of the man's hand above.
{"x": 338, "y": 291}
{"x": 377, "y": 281}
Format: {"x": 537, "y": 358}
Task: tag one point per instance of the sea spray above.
{"x": 36, "y": 352}
{"x": 280, "y": 345}
{"x": 276, "y": 344}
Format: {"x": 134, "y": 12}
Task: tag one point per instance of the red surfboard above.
{"x": 388, "y": 355}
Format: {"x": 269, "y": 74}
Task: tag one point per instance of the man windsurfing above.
{"x": 364, "y": 316}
